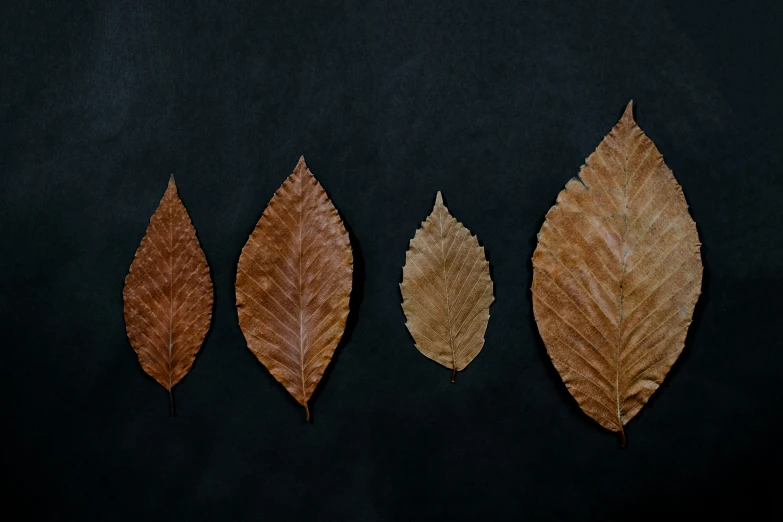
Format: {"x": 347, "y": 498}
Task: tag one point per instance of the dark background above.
{"x": 496, "y": 104}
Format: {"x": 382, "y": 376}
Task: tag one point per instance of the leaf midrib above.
{"x": 621, "y": 297}
{"x": 446, "y": 288}
{"x": 301, "y": 306}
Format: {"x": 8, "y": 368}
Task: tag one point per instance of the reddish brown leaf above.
{"x": 293, "y": 284}
{"x": 617, "y": 273}
{"x": 168, "y": 294}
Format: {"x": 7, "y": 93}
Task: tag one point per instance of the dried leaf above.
{"x": 294, "y": 283}
{"x": 617, "y": 273}
{"x": 446, "y": 290}
{"x": 168, "y": 294}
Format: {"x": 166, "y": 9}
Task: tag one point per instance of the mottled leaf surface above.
{"x": 617, "y": 273}
{"x": 168, "y": 294}
{"x": 294, "y": 283}
{"x": 446, "y": 290}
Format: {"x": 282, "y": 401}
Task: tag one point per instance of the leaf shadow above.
{"x": 491, "y": 270}
{"x": 560, "y": 388}
{"x": 354, "y": 304}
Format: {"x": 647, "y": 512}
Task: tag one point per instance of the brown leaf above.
{"x": 168, "y": 294}
{"x": 294, "y": 283}
{"x": 446, "y": 290}
{"x": 617, "y": 273}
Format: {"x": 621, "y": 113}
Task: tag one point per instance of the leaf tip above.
{"x": 628, "y": 113}
{"x": 439, "y": 199}
{"x": 171, "y": 189}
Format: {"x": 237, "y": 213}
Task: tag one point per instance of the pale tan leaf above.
{"x": 294, "y": 283}
{"x": 168, "y": 294}
{"x": 617, "y": 273}
{"x": 446, "y": 290}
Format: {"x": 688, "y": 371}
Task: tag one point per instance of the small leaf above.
{"x": 617, "y": 273}
{"x": 168, "y": 294}
{"x": 294, "y": 284}
{"x": 446, "y": 290}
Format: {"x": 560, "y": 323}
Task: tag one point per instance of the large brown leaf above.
{"x": 294, "y": 283}
{"x": 168, "y": 294}
{"x": 446, "y": 290}
{"x": 617, "y": 273}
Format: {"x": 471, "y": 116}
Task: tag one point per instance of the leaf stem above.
{"x": 307, "y": 413}
{"x": 623, "y": 440}
{"x": 171, "y": 402}
{"x": 453, "y": 374}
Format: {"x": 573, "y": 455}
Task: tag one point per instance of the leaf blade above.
{"x": 446, "y": 290}
{"x": 293, "y": 285}
{"x": 168, "y": 294}
{"x": 616, "y": 276}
